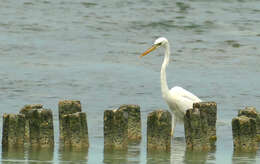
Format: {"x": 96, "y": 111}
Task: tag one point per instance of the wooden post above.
{"x": 13, "y": 130}
{"x": 196, "y": 130}
{"x": 25, "y": 110}
{"x": 75, "y": 132}
{"x": 208, "y": 111}
{"x": 244, "y": 134}
{"x": 134, "y": 121}
{"x": 115, "y": 129}
{"x": 41, "y": 128}
{"x": 200, "y": 126}
{"x": 252, "y": 113}
{"x": 67, "y": 107}
{"x": 159, "y": 125}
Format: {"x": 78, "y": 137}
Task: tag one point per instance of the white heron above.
{"x": 177, "y": 98}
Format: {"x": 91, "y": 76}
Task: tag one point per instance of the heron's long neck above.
{"x": 164, "y": 85}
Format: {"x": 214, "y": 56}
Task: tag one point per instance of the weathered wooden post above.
{"x": 252, "y": 113}
{"x": 134, "y": 121}
{"x": 244, "y": 134}
{"x": 67, "y": 107}
{"x": 13, "y": 130}
{"x": 208, "y": 111}
{"x": 25, "y": 110}
{"x": 196, "y": 130}
{"x": 115, "y": 129}
{"x": 200, "y": 126}
{"x": 41, "y": 128}
{"x": 159, "y": 125}
{"x": 76, "y": 133}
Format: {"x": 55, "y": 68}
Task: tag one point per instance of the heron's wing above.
{"x": 179, "y": 91}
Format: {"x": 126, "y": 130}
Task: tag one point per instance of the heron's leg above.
{"x": 173, "y": 124}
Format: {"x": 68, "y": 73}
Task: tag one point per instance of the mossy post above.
{"x": 196, "y": 131}
{"x": 252, "y": 113}
{"x": 244, "y": 134}
{"x": 67, "y": 107}
{"x": 25, "y": 110}
{"x": 115, "y": 129}
{"x": 76, "y": 134}
{"x": 41, "y": 128}
{"x": 159, "y": 128}
{"x": 208, "y": 111}
{"x": 13, "y": 130}
{"x": 134, "y": 121}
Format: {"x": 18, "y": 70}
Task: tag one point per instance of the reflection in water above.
{"x": 115, "y": 156}
{"x": 133, "y": 153}
{"x": 68, "y": 154}
{"x": 243, "y": 157}
{"x": 38, "y": 154}
{"x": 158, "y": 157}
{"x": 195, "y": 157}
{"x": 11, "y": 154}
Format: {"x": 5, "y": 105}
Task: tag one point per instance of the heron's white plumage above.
{"x": 181, "y": 100}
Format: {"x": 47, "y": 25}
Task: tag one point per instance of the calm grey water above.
{"x": 88, "y": 50}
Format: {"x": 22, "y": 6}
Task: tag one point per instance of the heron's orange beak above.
{"x": 149, "y": 50}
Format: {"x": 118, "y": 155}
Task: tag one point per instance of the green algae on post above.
{"x": 159, "y": 124}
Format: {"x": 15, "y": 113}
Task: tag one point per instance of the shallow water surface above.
{"x": 88, "y": 50}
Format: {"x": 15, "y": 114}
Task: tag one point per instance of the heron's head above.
{"x": 157, "y": 43}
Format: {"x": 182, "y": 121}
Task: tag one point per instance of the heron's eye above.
{"x": 159, "y": 44}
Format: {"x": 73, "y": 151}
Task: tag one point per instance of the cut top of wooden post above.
{"x": 249, "y": 112}
{"x": 130, "y": 107}
{"x": 69, "y": 107}
{"x": 205, "y": 105}
{"x": 27, "y": 108}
